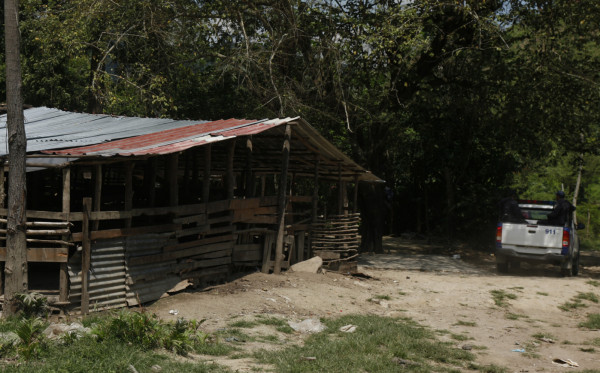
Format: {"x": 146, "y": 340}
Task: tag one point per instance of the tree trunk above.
{"x": 16, "y": 249}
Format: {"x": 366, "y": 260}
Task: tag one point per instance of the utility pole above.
{"x": 16, "y": 245}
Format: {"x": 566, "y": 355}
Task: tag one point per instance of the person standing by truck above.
{"x": 562, "y": 210}
{"x": 509, "y": 210}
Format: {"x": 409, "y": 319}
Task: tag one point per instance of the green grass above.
{"x": 243, "y": 324}
{"x": 542, "y": 293}
{"x": 593, "y": 283}
{"x": 587, "y": 349}
{"x": 460, "y": 337}
{"x": 465, "y": 323}
{"x": 383, "y": 297}
{"x": 593, "y": 321}
{"x": 543, "y": 335}
{"x": 587, "y": 296}
{"x": 501, "y": 297}
{"x": 515, "y": 316}
{"x": 279, "y": 324}
{"x": 88, "y": 355}
{"x": 378, "y": 345}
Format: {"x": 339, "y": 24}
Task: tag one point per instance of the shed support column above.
{"x": 230, "y": 176}
{"x": 206, "y": 180}
{"x": 249, "y": 175}
{"x": 85, "y": 256}
{"x": 282, "y": 200}
{"x": 97, "y": 194}
{"x": 315, "y": 205}
{"x": 355, "y": 197}
{"x": 172, "y": 171}
{"x": 66, "y": 209}
{"x": 2, "y": 196}
{"x": 128, "y": 191}
{"x": 340, "y": 191}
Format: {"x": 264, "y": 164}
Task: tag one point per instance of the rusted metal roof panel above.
{"x": 177, "y": 139}
{"x": 48, "y": 128}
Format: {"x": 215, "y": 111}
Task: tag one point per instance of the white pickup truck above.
{"x": 535, "y": 242}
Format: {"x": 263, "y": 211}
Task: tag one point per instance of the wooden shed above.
{"x": 122, "y": 210}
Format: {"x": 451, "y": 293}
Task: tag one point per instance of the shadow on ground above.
{"x": 430, "y": 256}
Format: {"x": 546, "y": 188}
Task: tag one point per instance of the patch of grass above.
{"x": 378, "y": 345}
{"x": 87, "y": 354}
{"x": 383, "y": 297}
{"x": 517, "y": 288}
{"x": 234, "y": 335}
{"x": 593, "y": 283}
{"x": 542, "y": 293}
{"x": 515, "y": 316}
{"x": 501, "y": 297}
{"x": 587, "y": 349}
{"x": 542, "y": 336}
{"x": 465, "y": 323}
{"x": 568, "y": 306}
{"x": 594, "y": 342}
{"x": 460, "y": 337}
{"x": 567, "y": 342}
{"x": 587, "y": 296}
{"x": 243, "y": 324}
{"x": 279, "y": 324}
{"x": 268, "y": 338}
{"x": 487, "y": 368}
{"x": 593, "y": 321}
{"x": 402, "y": 293}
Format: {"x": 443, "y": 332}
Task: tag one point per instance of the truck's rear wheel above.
{"x": 502, "y": 267}
{"x": 575, "y": 265}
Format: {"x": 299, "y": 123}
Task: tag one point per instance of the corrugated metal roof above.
{"x": 48, "y": 128}
{"x": 53, "y": 131}
{"x": 176, "y": 139}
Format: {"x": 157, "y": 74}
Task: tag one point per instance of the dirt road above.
{"x": 448, "y": 289}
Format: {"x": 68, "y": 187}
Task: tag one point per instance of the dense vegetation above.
{"x": 450, "y": 102}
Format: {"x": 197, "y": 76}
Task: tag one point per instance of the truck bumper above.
{"x": 505, "y": 254}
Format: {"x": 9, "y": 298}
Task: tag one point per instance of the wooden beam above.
{"x": 97, "y": 194}
{"x": 315, "y": 203}
{"x": 85, "y": 256}
{"x": 282, "y": 199}
{"x": 355, "y": 197}
{"x": 42, "y": 254}
{"x": 206, "y": 177}
{"x": 128, "y": 205}
{"x": 66, "y": 209}
{"x": 340, "y": 191}
{"x": 230, "y": 184}
{"x": 172, "y": 172}
{"x": 249, "y": 174}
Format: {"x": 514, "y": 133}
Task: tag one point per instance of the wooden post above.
{"x": 263, "y": 185}
{"x": 85, "y": 256}
{"x": 249, "y": 176}
{"x": 282, "y": 199}
{"x": 355, "y": 197}
{"x": 345, "y": 198}
{"x": 172, "y": 171}
{"x": 128, "y": 190}
{"x": 186, "y": 177}
{"x": 206, "y": 181}
{"x": 230, "y": 184}
{"x": 2, "y": 196}
{"x": 2, "y": 191}
{"x": 66, "y": 209}
{"x": 97, "y": 194}
{"x": 340, "y": 191}
{"x": 315, "y": 205}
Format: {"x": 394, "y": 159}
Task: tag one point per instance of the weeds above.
{"x": 500, "y": 297}
{"x": 593, "y": 283}
{"x": 593, "y": 321}
{"x": 465, "y": 323}
{"x": 577, "y": 301}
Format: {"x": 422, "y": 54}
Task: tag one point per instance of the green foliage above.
{"x": 31, "y": 304}
{"x": 376, "y": 346}
{"x": 593, "y": 321}
{"x": 501, "y": 297}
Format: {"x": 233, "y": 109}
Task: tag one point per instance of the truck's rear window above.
{"x": 535, "y": 214}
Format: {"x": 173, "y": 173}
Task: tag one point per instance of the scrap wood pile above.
{"x": 336, "y": 240}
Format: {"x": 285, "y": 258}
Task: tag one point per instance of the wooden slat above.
{"x": 44, "y": 255}
{"x": 112, "y": 233}
{"x": 204, "y": 241}
{"x": 170, "y": 255}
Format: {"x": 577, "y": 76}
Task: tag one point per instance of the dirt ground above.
{"x": 444, "y": 288}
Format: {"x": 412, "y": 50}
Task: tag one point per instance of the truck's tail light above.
{"x": 566, "y": 240}
{"x": 499, "y": 235}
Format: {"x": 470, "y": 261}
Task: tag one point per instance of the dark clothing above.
{"x": 561, "y": 213}
{"x": 510, "y": 212}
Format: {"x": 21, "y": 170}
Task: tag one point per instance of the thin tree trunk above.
{"x": 16, "y": 244}
{"x": 577, "y": 185}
